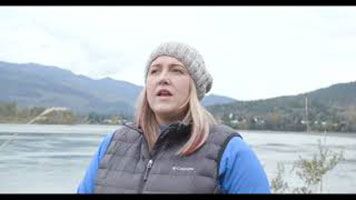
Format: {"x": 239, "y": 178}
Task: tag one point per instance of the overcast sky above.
{"x": 251, "y": 52}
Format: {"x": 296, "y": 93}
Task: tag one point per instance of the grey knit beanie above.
{"x": 191, "y": 59}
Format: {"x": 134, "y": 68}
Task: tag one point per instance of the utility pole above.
{"x": 306, "y": 113}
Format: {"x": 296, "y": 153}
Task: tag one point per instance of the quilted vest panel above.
{"x": 129, "y": 167}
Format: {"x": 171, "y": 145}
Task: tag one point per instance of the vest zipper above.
{"x": 152, "y": 155}
{"x": 148, "y": 168}
{"x": 145, "y": 176}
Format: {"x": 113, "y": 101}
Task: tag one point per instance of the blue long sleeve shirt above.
{"x": 240, "y": 170}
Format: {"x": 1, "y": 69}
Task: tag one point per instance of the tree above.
{"x": 310, "y": 171}
{"x": 278, "y": 184}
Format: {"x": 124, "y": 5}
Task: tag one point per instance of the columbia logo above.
{"x": 175, "y": 168}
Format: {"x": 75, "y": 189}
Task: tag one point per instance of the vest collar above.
{"x": 176, "y": 131}
{"x": 175, "y": 126}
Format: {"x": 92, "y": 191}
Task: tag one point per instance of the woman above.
{"x": 175, "y": 146}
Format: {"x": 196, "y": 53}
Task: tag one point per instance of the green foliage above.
{"x": 8, "y": 110}
{"x": 278, "y": 184}
{"x": 117, "y": 119}
{"x": 329, "y": 109}
{"x": 11, "y": 113}
{"x": 287, "y": 114}
{"x": 94, "y": 118}
{"x": 310, "y": 171}
{"x": 58, "y": 117}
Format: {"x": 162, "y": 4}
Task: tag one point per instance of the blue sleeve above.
{"x": 87, "y": 184}
{"x": 240, "y": 170}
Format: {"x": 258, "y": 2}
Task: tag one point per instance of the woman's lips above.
{"x": 164, "y": 96}
{"x": 164, "y": 92}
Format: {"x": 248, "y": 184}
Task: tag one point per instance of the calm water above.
{"x": 53, "y": 158}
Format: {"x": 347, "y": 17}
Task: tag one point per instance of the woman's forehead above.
{"x": 166, "y": 60}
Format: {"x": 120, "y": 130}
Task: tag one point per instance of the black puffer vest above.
{"x": 129, "y": 167}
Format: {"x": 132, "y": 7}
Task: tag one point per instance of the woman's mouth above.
{"x": 163, "y": 93}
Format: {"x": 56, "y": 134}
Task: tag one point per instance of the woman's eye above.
{"x": 177, "y": 71}
{"x": 153, "y": 71}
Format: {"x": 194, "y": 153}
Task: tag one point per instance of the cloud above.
{"x": 252, "y": 52}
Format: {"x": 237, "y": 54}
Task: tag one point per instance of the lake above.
{"x": 53, "y": 158}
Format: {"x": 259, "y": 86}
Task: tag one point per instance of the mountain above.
{"x": 332, "y": 108}
{"x": 339, "y": 95}
{"x": 213, "y": 99}
{"x": 31, "y": 85}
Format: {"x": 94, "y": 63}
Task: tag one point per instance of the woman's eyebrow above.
{"x": 156, "y": 65}
{"x": 177, "y": 65}
{"x": 170, "y": 66}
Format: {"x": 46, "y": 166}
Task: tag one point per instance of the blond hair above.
{"x": 197, "y": 115}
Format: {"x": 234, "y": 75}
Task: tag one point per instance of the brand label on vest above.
{"x": 176, "y": 168}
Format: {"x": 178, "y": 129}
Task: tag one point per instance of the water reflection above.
{"x": 53, "y": 158}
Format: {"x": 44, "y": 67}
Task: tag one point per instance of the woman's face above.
{"x": 167, "y": 87}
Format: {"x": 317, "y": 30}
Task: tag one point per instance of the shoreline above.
{"x": 114, "y": 126}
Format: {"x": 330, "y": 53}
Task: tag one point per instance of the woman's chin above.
{"x": 165, "y": 112}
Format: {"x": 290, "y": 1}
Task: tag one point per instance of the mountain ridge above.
{"x": 331, "y": 108}
{"x": 32, "y": 84}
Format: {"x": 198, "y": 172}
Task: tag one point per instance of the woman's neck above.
{"x": 167, "y": 119}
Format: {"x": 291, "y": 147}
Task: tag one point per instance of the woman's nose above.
{"x": 164, "y": 78}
